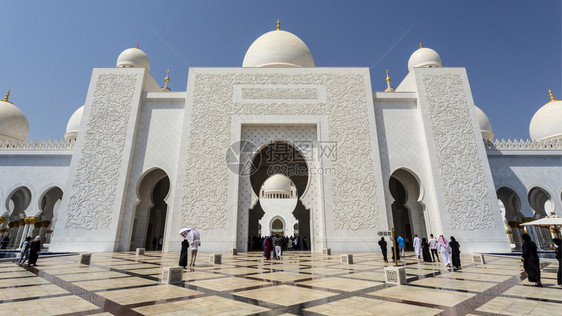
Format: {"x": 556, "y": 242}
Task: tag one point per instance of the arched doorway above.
{"x": 510, "y": 206}
{"x": 16, "y": 204}
{"x": 49, "y": 206}
{"x": 279, "y": 158}
{"x": 150, "y": 211}
{"x": 277, "y": 227}
{"x": 542, "y": 205}
{"x": 540, "y": 202}
{"x": 407, "y": 212}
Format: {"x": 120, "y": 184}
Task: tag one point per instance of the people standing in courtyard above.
{"x": 444, "y": 250}
{"x": 183, "y": 252}
{"x": 530, "y": 259}
{"x": 417, "y": 246}
{"x": 24, "y": 254}
{"x": 34, "y": 251}
{"x": 425, "y": 251}
{"x": 267, "y": 245}
{"x": 433, "y": 247}
{"x": 195, "y": 239}
{"x": 455, "y": 253}
{"x": 160, "y": 242}
{"x": 382, "y": 244}
{"x": 278, "y": 245}
{"x": 296, "y": 243}
{"x": 5, "y": 242}
{"x": 400, "y": 242}
{"x": 290, "y": 243}
{"x": 558, "y": 251}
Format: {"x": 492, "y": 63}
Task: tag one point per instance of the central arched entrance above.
{"x": 407, "y": 211}
{"x": 278, "y": 158}
{"x": 150, "y": 211}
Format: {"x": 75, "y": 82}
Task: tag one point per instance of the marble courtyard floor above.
{"x": 299, "y": 284}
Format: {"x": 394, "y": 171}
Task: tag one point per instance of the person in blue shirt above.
{"x": 400, "y": 241}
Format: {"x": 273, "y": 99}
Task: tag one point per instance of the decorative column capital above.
{"x": 30, "y": 220}
{"x": 2, "y": 219}
{"x": 21, "y": 222}
{"x": 45, "y": 223}
{"x": 49, "y": 231}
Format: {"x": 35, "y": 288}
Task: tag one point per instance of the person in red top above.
{"x": 268, "y": 248}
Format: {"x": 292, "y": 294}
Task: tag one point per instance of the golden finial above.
{"x": 387, "y": 77}
{"x": 420, "y": 45}
{"x": 278, "y": 25}
{"x": 7, "y": 96}
{"x": 137, "y": 45}
{"x": 549, "y": 92}
{"x": 167, "y": 79}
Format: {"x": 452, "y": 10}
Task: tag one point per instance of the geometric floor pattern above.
{"x": 300, "y": 284}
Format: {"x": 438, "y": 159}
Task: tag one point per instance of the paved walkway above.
{"x": 299, "y": 284}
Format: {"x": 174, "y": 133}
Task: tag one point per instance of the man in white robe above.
{"x": 417, "y": 246}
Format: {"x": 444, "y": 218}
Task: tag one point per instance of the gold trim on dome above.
{"x": 387, "y": 77}
{"x": 551, "y": 96}
{"x": 7, "y": 97}
{"x": 420, "y": 45}
{"x": 137, "y": 45}
{"x": 278, "y": 25}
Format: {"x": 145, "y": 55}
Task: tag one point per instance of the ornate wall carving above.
{"x": 464, "y": 184}
{"x": 279, "y": 93}
{"x": 94, "y": 187}
{"x": 206, "y": 174}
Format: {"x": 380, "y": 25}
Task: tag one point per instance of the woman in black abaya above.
{"x": 425, "y": 251}
{"x": 558, "y": 243}
{"x": 530, "y": 260}
{"x": 455, "y": 253}
{"x": 183, "y": 253}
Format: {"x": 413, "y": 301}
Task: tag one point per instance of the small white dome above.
{"x": 546, "y": 124}
{"x": 484, "y": 123}
{"x": 277, "y": 183}
{"x": 73, "y": 125}
{"x": 13, "y": 123}
{"x": 133, "y": 57}
{"x": 424, "y": 57}
{"x": 278, "y": 49}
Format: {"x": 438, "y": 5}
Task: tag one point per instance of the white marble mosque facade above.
{"x": 96, "y": 191}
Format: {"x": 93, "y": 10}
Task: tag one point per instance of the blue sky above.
{"x": 511, "y": 49}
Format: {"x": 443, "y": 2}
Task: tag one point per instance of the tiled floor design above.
{"x": 299, "y": 284}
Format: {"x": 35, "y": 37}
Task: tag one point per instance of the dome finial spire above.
{"x": 389, "y": 88}
{"x": 278, "y": 25}
{"x": 549, "y": 92}
{"x": 387, "y": 78}
{"x": 137, "y": 45}
{"x": 167, "y": 79}
{"x": 420, "y": 45}
{"x": 7, "y": 97}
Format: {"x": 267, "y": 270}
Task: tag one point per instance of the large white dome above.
{"x": 278, "y": 49}
{"x": 424, "y": 57}
{"x": 484, "y": 123}
{"x": 546, "y": 124}
{"x": 13, "y": 123}
{"x": 133, "y": 57}
{"x": 277, "y": 183}
{"x": 73, "y": 125}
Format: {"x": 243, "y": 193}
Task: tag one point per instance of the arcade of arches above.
{"x": 21, "y": 220}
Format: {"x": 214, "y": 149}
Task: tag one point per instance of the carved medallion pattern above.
{"x": 461, "y": 171}
{"x": 206, "y": 174}
{"x": 93, "y": 190}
